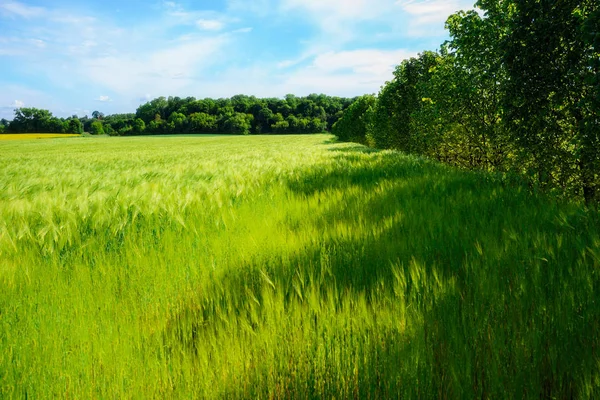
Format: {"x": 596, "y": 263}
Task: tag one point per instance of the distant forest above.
{"x": 238, "y": 115}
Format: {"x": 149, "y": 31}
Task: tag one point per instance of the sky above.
{"x": 76, "y": 56}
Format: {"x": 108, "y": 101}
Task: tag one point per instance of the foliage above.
{"x": 73, "y": 125}
{"x": 280, "y": 127}
{"x": 353, "y": 125}
{"x": 139, "y": 127}
{"x": 201, "y": 122}
{"x": 177, "y": 122}
{"x": 97, "y": 115}
{"x": 237, "y": 123}
{"x": 239, "y": 115}
{"x": 515, "y": 90}
{"x": 269, "y": 267}
{"x": 391, "y": 118}
{"x": 33, "y": 120}
{"x": 311, "y": 114}
{"x": 97, "y": 128}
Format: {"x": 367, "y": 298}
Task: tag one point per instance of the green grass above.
{"x": 286, "y": 267}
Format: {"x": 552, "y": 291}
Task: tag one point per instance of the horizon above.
{"x": 76, "y": 57}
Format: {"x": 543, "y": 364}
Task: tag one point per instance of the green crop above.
{"x": 286, "y": 267}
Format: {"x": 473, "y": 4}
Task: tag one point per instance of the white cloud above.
{"x": 26, "y": 97}
{"x": 145, "y": 98}
{"x": 343, "y": 8}
{"x": 128, "y": 61}
{"x": 72, "y": 19}
{"x": 13, "y": 8}
{"x": 260, "y": 8}
{"x": 210, "y": 24}
{"x": 80, "y": 112}
{"x": 427, "y": 17}
{"x": 166, "y": 70}
{"x": 370, "y": 61}
{"x": 203, "y": 19}
{"x": 425, "y": 11}
{"x": 348, "y": 73}
{"x": 204, "y": 53}
{"x": 17, "y": 9}
{"x": 337, "y": 18}
{"x": 18, "y": 46}
{"x": 243, "y": 30}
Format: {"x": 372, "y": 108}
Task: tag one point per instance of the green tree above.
{"x": 74, "y": 125}
{"x": 352, "y": 126}
{"x": 459, "y": 119}
{"x": 587, "y": 17}
{"x": 157, "y": 125}
{"x": 280, "y": 127}
{"x": 178, "y": 123}
{"x": 237, "y": 123}
{"x": 139, "y": 126}
{"x": 550, "y": 52}
{"x": 399, "y": 100}
{"x": 242, "y": 103}
{"x": 203, "y": 123}
{"x": 97, "y": 115}
{"x": 97, "y": 128}
{"x": 126, "y": 130}
{"x": 309, "y": 114}
{"x": 317, "y": 125}
{"x": 109, "y": 130}
{"x": 148, "y": 111}
{"x": 30, "y": 120}
{"x": 264, "y": 118}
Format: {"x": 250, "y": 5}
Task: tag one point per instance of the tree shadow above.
{"x": 483, "y": 265}
{"x": 360, "y": 149}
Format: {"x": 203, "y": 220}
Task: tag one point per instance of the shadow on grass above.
{"x": 354, "y": 149}
{"x": 185, "y": 135}
{"x": 501, "y": 284}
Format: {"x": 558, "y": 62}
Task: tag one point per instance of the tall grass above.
{"x": 286, "y": 267}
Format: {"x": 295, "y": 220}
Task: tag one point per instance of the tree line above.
{"x": 34, "y": 120}
{"x": 238, "y": 115}
{"x": 515, "y": 89}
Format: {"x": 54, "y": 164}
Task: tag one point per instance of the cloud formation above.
{"x": 55, "y": 56}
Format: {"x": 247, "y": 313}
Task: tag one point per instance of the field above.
{"x": 28, "y": 136}
{"x": 286, "y": 267}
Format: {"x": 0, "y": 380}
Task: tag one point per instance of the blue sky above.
{"x": 73, "y": 57}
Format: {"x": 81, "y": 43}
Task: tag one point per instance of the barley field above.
{"x": 286, "y": 267}
{"x": 29, "y": 136}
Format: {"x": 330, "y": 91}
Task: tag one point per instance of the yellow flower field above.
{"x": 28, "y": 136}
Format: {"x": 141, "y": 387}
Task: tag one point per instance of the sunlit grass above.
{"x": 29, "y": 136}
{"x": 286, "y": 267}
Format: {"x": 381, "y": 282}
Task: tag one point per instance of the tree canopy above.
{"x": 516, "y": 89}
{"x": 34, "y": 120}
{"x": 240, "y": 114}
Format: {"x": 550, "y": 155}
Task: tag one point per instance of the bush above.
{"x": 97, "y": 128}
